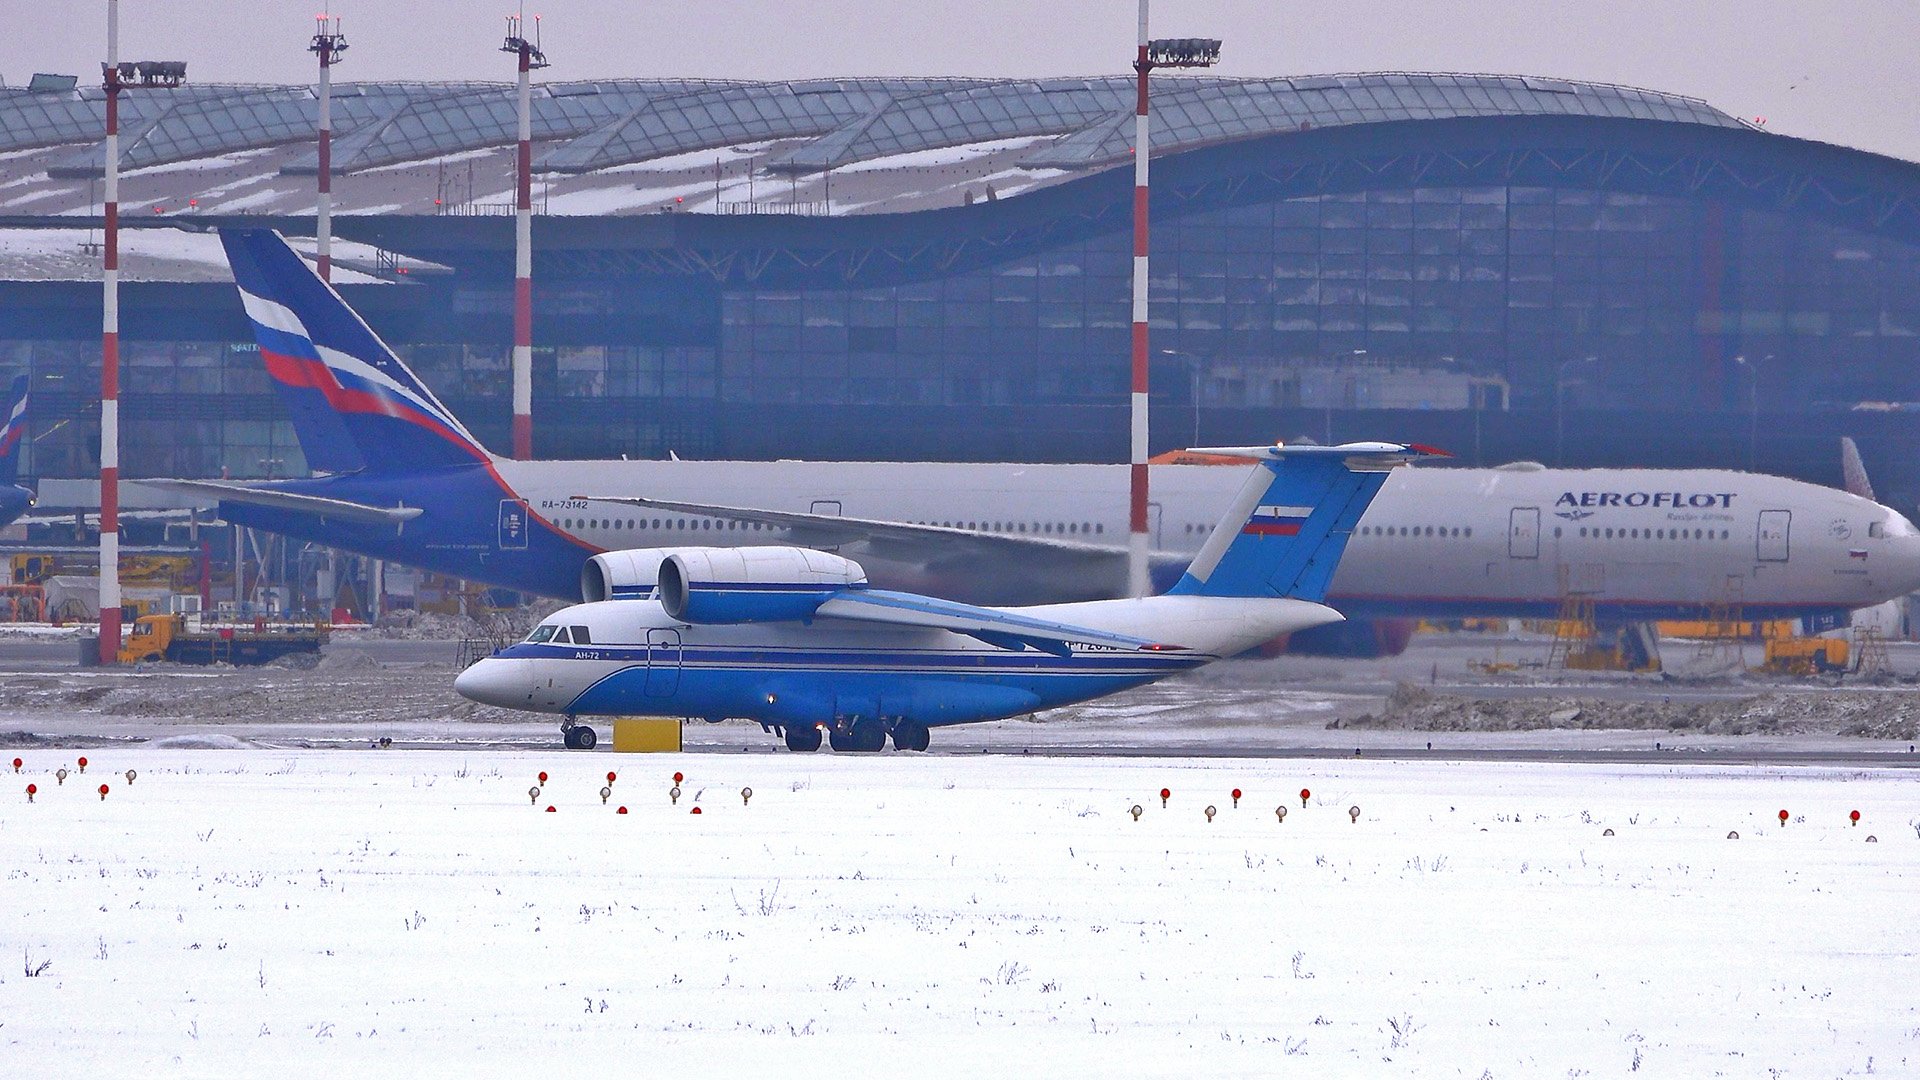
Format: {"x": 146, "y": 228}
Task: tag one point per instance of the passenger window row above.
{"x": 660, "y": 523}
{"x": 1597, "y": 533}
{"x": 1447, "y": 532}
{"x": 1043, "y": 528}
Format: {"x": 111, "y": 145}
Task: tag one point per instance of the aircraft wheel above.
{"x": 570, "y": 738}
{"x": 911, "y": 735}
{"x": 584, "y": 737}
{"x": 803, "y": 740}
{"x": 866, "y": 737}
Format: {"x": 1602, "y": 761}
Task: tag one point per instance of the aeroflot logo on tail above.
{"x": 1722, "y": 500}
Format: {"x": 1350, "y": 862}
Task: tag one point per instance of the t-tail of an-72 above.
{"x": 355, "y": 406}
{"x": 1287, "y": 528}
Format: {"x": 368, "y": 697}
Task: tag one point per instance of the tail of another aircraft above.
{"x": 1286, "y": 530}
{"x": 13, "y": 428}
{"x": 355, "y": 406}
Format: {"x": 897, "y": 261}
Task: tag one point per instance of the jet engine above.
{"x": 753, "y": 584}
{"x": 631, "y": 574}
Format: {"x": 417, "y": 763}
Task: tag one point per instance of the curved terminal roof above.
{"x": 589, "y": 126}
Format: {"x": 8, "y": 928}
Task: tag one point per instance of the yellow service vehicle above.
{"x": 185, "y": 639}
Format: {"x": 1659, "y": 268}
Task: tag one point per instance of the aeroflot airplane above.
{"x": 795, "y": 638}
{"x": 406, "y": 481}
{"x": 14, "y": 499}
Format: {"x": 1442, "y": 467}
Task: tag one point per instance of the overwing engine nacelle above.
{"x": 753, "y": 584}
{"x": 722, "y": 585}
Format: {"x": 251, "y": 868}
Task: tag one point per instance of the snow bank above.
{"x": 394, "y": 912}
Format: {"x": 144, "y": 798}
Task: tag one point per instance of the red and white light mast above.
{"x": 530, "y": 58}
{"x": 1164, "y": 52}
{"x": 116, "y": 77}
{"x": 328, "y": 43}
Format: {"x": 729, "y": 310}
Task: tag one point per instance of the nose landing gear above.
{"x": 577, "y": 736}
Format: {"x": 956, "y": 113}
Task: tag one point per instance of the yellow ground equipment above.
{"x": 185, "y": 639}
{"x": 1805, "y": 656}
{"x": 646, "y": 735}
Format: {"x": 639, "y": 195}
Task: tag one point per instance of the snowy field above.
{"x": 235, "y": 912}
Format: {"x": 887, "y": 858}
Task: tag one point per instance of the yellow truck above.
{"x": 185, "y": 639}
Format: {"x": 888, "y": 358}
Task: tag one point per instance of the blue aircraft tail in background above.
{"x": 1286, "y": 530}
{"x": 354, "y": 405}
{"x": 14, "y": 499}
{"x": 13, "y": 430}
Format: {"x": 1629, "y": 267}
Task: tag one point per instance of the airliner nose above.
{"x": 494, "y": 681}
{"x": 1904, "y": 552}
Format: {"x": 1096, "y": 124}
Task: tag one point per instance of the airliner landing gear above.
{"x": 865, "y": 737}
{"x": 911, "y": 735}
{"x": 577, "y": 736}
{"x": 803, "y": 740}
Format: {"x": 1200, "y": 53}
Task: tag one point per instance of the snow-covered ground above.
{"x": 232, "y": 913}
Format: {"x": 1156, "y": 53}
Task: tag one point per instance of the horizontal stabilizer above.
{"x": 1004, "y": 629}
{"x": 318, "y": 506}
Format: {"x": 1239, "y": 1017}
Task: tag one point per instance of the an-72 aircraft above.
{"x": 797, "y": 640}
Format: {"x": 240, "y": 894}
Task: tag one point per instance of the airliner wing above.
{"x": 1005, "y": 629}
{"x": 827, "y": 530}
{"x": 318, "y": 506}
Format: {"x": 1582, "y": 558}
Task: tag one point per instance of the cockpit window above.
{"x": 560, "y": 636}
{"x": 540, "y": 634}
{"x": 1876, "y": 529}
{"x": 581, "y": 637}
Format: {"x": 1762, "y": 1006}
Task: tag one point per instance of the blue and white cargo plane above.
{"x": 404, "y": 480}
{"x": 798, "y": 641}
{"x": 14, "y": 499}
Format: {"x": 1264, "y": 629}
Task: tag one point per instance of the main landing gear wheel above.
{"x": 866, "y": 737}
{"x": 580, "y": 737}
{"x": 803, "y": 740}
{"x": 911, "y": 735}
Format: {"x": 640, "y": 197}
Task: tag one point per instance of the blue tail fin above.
{"x": 1286, "y": 530}
{"x": 13, "y": 429}
{"x": 354, "y": 404}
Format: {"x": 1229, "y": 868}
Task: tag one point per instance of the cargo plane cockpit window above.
{"x": 540, "y": 634}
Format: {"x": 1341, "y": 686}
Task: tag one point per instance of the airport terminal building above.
{"x": 928, "y": 268}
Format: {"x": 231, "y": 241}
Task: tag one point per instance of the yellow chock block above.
{"x": 646, "y": 735}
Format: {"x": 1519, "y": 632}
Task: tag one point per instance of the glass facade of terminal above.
{"x": 1503, "y": 321}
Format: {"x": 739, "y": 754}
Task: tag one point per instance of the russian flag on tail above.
{"x": 1269, "y": 520}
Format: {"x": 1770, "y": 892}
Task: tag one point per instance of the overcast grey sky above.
{"x": 1840, "y": 71}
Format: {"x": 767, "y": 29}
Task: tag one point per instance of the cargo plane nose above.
{"x": 497, "y": 681}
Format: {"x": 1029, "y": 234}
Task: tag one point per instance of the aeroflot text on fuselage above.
{"x": 1699, "y": 501}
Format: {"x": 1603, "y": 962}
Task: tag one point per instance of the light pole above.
{"x": 116, "y": 77}
{"x": 530, "y": 57}
{"x": 1163, "y": 52}
{"x": 329, "y": 43}
{"x": 1560, "y": 384}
